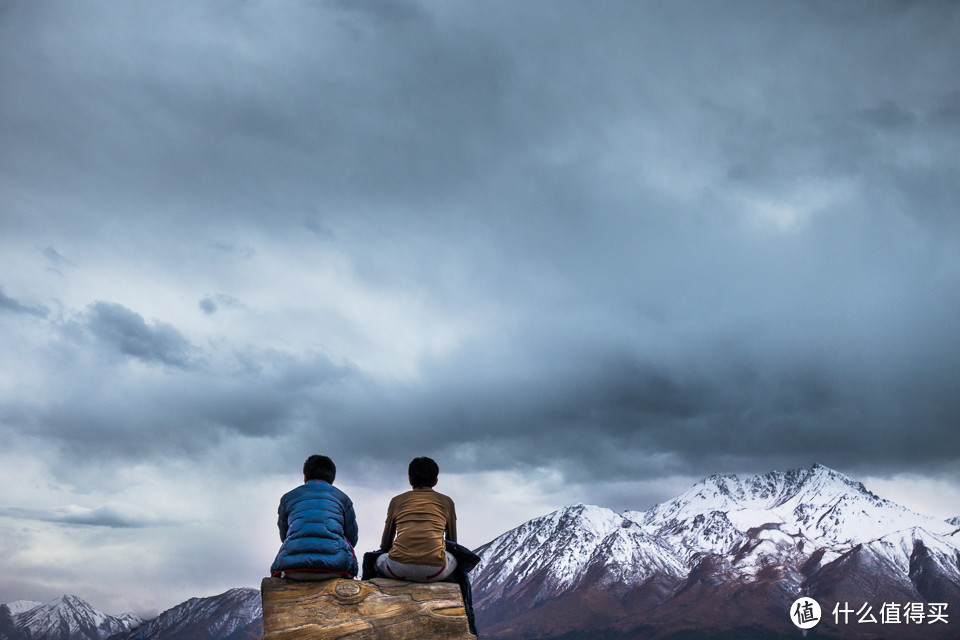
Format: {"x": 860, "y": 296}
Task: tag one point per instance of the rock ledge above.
{"x": 378, "y": 609}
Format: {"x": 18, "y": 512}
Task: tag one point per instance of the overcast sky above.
{"x": 576, "y": 252}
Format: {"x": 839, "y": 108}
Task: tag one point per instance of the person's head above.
{"x": 319, "y": 468}
{"x": 423, "y": 472}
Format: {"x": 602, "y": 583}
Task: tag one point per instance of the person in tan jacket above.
{"x": 418, "y": 522}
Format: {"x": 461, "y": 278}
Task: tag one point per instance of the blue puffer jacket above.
{"x": 318, "y": 529}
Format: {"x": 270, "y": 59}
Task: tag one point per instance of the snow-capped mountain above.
{"x": 818, "y": 503}
{"x": 65, "y": 618}
{"x": 19, "y": 606}
{"x": 233, "y": 615}
{"x": 730, "y": 551}
{"x": 955, "y": 521}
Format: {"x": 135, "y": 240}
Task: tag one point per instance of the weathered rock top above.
{"x": 378, "y": 609}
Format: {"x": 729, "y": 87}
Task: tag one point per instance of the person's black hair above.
{"x": 423, "y": 472}
{"x": 319, "y": 468}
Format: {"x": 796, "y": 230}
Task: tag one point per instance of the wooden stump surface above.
{"x": 378, "y": 609}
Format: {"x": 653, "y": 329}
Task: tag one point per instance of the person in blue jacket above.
{"x": 318, "y": 528}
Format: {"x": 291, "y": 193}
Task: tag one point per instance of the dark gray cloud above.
{"x": 15, "y": 306}
{"x": 55, "y": 258}
{"x": 128, "y": 333}
{"x": 211, "y": 304}
{"x": 601, "y": 189}
{"x": 110, "y": 412}
{"x": 727, "y": 408}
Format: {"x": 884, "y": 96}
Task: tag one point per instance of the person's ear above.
{"x": 435, "y": 482}
{"x": 304, "y": 479}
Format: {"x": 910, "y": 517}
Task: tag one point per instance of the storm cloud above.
{"x": 575, "y": 254}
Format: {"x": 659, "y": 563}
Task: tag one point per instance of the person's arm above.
{"x": 282, "y": 521}
{"x": 389, "y": 528}
{"x": 451, "y": 531}
{"x": 350, "y": 520}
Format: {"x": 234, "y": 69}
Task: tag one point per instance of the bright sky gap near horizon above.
{"x": 576, "y": 252}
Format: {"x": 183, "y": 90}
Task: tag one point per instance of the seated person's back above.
{"x": 420, "y": 519}
{"x": 318, "y": 527}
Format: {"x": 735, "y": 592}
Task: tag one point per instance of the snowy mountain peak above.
{"x": 598, "y": 520}
{"x": 816, "y": 502}
{"x": 775, "y": 486}
{"x": 130, "y": 619}
{"x": 71, "y": 601}
{"x": 63, "y": 604}
{"x": 558, "y": 547}
{"x": 19, "y": 606}
{"x": 233, "y": 614}
{"x": 71, "y": 618}
{"x": 954, "y": 521}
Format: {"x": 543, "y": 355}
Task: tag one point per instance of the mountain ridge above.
{"x": 66, "y": 617}
{"x": 232, "y": 615}
{"x": 700, "y": 557}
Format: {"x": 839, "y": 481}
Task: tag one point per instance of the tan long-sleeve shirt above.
{"x": 420, "y": 519}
